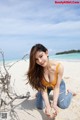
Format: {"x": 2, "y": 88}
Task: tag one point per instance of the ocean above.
{"x": 70, "y": 56}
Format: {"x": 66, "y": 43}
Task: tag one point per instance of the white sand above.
{"x": 26, "y": 108}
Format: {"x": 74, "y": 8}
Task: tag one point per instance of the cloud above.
{"x": 38, "y": 18}
{"x": 17, "y": 27}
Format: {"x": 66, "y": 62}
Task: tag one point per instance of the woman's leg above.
{"x": 40, "y": 104}
{"x": 64, "y": 99}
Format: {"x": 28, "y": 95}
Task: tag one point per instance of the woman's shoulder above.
{"x": 55, "y": 65}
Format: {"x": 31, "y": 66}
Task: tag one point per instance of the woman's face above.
{"x": 42, "y": 58}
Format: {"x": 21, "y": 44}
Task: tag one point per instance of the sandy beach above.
{"x": 26, "y": 109}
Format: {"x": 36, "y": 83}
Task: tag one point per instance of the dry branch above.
{"x": 5, "y": 91}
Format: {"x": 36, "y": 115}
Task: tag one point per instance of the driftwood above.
{"x": 6, "y": 97}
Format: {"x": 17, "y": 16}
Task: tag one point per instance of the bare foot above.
{"x": 73, "y": 93}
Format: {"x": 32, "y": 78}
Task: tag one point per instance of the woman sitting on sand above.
{"x": 45, "y": 75}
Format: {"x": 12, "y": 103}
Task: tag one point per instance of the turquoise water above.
{"x": 71, "y": 56}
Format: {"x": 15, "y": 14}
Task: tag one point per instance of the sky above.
{"x": 24, "y": 23}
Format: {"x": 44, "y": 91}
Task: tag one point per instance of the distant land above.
{"x": 68, "y": 52}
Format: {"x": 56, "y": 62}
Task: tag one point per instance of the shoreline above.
{"x": 58, "y": 59}
{"x": 66, "y": 60}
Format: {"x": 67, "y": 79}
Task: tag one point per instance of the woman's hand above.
{"x": 55, "y": 108}
{"x": 50, "y": 112}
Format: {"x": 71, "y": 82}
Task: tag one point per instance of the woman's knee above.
{"x": 39, "y": 101}
{"x": 63, "y": 104}
{"x": 40, "y": 105}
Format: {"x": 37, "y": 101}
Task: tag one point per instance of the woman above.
{"x": 45, "y": 75}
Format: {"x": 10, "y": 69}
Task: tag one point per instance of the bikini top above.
{"x": 52, "y": 83}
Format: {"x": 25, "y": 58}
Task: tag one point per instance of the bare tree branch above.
{"x": 5, "y": 91}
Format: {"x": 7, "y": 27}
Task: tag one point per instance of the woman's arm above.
{"x": 48, "y": 110}
{"x": 46, "y": 99}
{"x": 57, "y": 87}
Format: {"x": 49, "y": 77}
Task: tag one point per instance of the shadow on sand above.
{"x": 28, "y": 106}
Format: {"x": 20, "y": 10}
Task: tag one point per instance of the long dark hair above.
{"x": 36, "y": 72}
